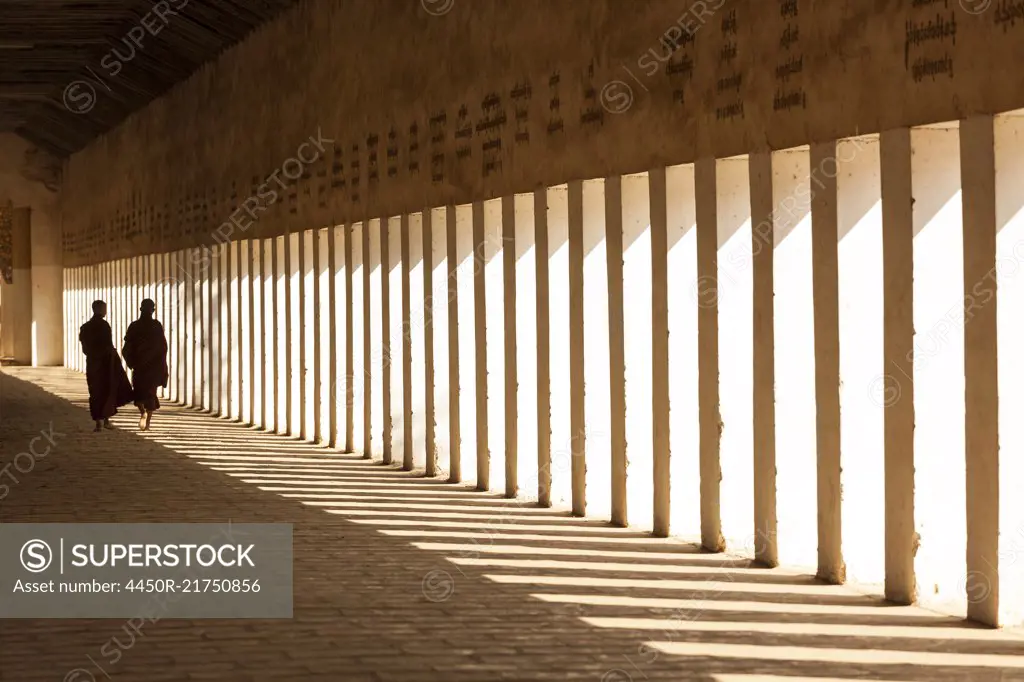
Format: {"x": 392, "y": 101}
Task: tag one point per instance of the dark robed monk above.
{"x": 108, "y": 384}
{"x": 145, "y": 352}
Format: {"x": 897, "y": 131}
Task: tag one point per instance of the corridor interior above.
{"x": 691, "y": 423}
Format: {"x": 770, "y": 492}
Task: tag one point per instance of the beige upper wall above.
{"x": 524, "y": 81}
{"x": 25, "y": 172}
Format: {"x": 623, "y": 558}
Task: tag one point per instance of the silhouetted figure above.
{"x": 145, "y": 352}
{"x": 108, "y": 383}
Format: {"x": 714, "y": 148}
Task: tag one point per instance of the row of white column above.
{"x": 798, "y": 354}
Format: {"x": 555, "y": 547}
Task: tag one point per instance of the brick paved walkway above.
{"x": 403, "y": 578}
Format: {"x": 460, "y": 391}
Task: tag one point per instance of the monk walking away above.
{"x": 108, "y": 384}
{"x": 145, "y": 352}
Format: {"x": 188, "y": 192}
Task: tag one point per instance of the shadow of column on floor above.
{"x": 409, "y": 578}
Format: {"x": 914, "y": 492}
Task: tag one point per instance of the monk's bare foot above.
{"x": 99, "y": 425}
{"x": 142, "y": 422}
{"x": 149, "y": 418}
{"x": 107, "y": 424}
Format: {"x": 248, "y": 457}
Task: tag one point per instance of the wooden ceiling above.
{"x": 71, "y": 70}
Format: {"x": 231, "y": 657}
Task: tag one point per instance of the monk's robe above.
{"x": 108, "y": 383}
{"x": 145, "y": 352}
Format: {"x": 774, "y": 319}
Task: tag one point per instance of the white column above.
{"x": 735, "y": 351}
{"x": 268, "y": 334}
{"x": 283, "y": 350}
{"x": 709, "y": 412}
{"x": 66, "y": 332}
{"x": 349, "y": 368}
{"x": 217, "y": 341}
{"x": 827, "y": 364}
{"x": 899, "y": 389}
{"x": 466, "y": 334}
{"x": 376, "y": 368}
{"x": 526, "y": 344}
{"x": 249, "y": 359}
{"x": 479, "y": 325}
{"x": 257, "y": 338}
{"x": 209, "y": 319}
{"x": 296, "y": 338}
{"x": 308, "y": 312}
{"x": 491, "y": 268}
{"x": 323, "y": 336}
{"x": 559, "y": 349}
{"x": 70, "y": 318}
{"x": 938, "y": 367}
{"x": 46, "y": 272}
{"x": 395, "y": 338}
{"x": 440, "y": 312}
{"x": 1003, "y": 498}
{"x": 429, "y": 350}
{"x": 175, "y": 327}
{"x": 614, "y": 217}
{"x": 978, "y": 169}
{"x": 120, "y": 311}
{"x": 414, "y": 339}
{"x": 227, "y": 338}
{"x": 358, "y": 247}
{"x": 341, "y": 329}
{"x": 191, "y": 327}
{"x": 659, "y": 365}
{"x": 454, "y": 384}
{"x": 637, "y": 346}
{"x": 335, "y": 337}
{"x": 240, "y": 330}
{"x": 594, "y": 299}
{"x": 794, "y": 356}
{"x": 237, "y": 348}
{"x": 577, "y": 364}
{"x": 861, "y": 341}
{"x": 683, "y": 378}
{"x": 541, "y": 207}
{"x": 511, "y": 356}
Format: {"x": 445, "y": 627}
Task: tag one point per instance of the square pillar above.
{"x": 466, "y": 332}
{"x": 938, "y": 367}
{"x": 491, "y": 268}
{"x": 681, "y": 374}
{"x": 395, "y": 355}
{"x": 281, "y": 312}
{"x": 638, "y": 344}
{"x": 524, "y": 256}
{"x": 857, "y": 206}
{"x": 376, "y": 368}
{"x": 898, "y": 348}
{"x": 413, "y": 340}
{"x": 560, "y": 344}
{"x": 735, "y": 306}
{"x": 268, "y": 420}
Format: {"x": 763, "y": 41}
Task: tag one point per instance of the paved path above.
{"x": 406, "y": 579}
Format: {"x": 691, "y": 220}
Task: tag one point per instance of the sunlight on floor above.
{"x": 675, "y": 599}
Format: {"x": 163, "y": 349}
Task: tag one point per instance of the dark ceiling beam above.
{"x": 44, "y": 141}
{"x": 47, "y": 45}
{"x": 26, "y": 90}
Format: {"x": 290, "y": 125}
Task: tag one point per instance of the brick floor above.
{"x": 400, "y": 578}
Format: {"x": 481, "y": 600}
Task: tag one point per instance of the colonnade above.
{"x": 811, "y": 356}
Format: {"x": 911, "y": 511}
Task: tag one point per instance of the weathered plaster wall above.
{"x": 30, "y": 180}
{"x": 491, "y": 97}
{"x": 16, "y": 297}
